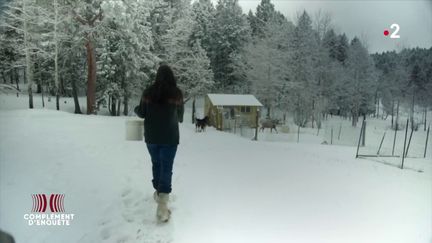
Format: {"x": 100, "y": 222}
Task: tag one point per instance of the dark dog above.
{"x": 200, "y": 124}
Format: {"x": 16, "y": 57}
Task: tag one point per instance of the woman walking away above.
{"x": 162, "y": 108}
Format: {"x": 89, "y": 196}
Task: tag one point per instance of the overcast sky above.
{"x": 367, "y": 19}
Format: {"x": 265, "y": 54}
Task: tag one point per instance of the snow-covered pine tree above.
{"x": 340, "y": 96}
{"x": 324, "y": 69}
{"x": 125, "y": 53}
{"x": 393, "y": 77}
{"x": 342, "y": 48}
{"x": 20, "y": 15}
{"x": 397, "y": 82}
{"x": 253, "y": 22}
{"x": 163, "y": 14}
{"x": 52, "y": 16}
{"x": 88, "y": 14}
{"x": 266, "y": 58}
{"x": 304, "y": 46}
{"x": 188, "y": 59}
{"x": 203, "y": 13}
{"x": 332, "y": 72}
{"x": 10, "y": 38}
{"x": 417, "y": 88}
{"x": 265, "y": 12}
{"x": 183, "y": 51}
{"x": 56, "y": 18}
{"x": 229, "y": 36}
{"x": 426, "y": 102}
{"x": 330, "y": 41}
{"x": 361, "y": 80}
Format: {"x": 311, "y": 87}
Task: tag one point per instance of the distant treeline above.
{"x": 109, "y": 51}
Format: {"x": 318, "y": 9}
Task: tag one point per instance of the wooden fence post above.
{"x": 403, "y": 152}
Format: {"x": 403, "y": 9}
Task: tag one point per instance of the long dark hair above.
{"x": 164, "y": 89}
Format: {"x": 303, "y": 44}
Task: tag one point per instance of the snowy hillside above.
{"x": 225, "y": 188}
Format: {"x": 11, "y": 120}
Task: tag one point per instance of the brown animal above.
{"x": 200, "y": 124}
{"x": 269, "y": 124}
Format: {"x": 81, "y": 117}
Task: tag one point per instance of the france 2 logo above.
{"x": 393, "y": 35}
{"x": 40, "y": 203}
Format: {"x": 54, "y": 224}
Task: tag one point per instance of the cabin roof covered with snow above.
{"x": 233, "y": 100}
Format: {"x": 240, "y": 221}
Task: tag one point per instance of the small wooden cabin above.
{"x": 226, "y": 111}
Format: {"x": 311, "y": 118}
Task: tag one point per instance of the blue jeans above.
{"x": 162, "y": 157}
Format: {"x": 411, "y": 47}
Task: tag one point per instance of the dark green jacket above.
{"x": 161, "y": 122}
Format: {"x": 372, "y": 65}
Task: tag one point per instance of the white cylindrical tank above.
{"x": 134, "y": 130}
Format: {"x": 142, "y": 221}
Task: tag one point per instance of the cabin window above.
{"x": 245, "y": 109}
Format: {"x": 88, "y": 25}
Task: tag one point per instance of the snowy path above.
{"x": 226, "y": 188}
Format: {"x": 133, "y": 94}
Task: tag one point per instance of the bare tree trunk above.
{"x": 193, "y": 110}
{"x": 91, "y": 77}
{"x": 16, "y": 77}
{"x": 28, "y": 60}
{"x": 62, "y": 79}
{"x": 425, "y": 118}
{"x": 57, "y": 98}
{"x": 412, "y": 111}
{"x": 313, "y": 112}
{"x": 376, "y": 103}
{"x": 61, "y": 87}
{"x": 75, "y": 97}
{"x": 109, "y": 105}
{"x": 364, "y": 131}
{"x": 43, "y": 99}
{"x": 113, "y": 106}
{"x": 126, "y": 105}
{"x": 38, "y": 86}
{"x": 355, "y": 115}
{"x": 91, "y": 58}
{"x": 11, "y": 79}
{"x": 37, "y": 77}
{"x": 378, "y": 106}
{"x": 118, "y": 106}
{"x": 29, "y": 83}
{"x": 4, "y": 77}
{"x": 56, "y": 76}
{"x": 397, "y": 115}
{"x": 392, "y": 113}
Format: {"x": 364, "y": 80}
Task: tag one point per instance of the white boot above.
{"x": 156, "y": 196}
{"x": 163, "y": 213}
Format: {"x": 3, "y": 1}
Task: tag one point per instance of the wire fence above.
{"x": 379, "y": 138}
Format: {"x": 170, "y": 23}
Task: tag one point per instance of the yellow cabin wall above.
{"x": 216, "y": 117}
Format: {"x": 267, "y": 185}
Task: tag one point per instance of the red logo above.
{"x": 40, "y": 203}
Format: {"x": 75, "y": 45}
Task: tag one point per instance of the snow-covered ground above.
{"x": 226, "y": 188}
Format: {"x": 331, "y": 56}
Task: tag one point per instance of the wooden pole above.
{"x": 256, "y": 126}
{"x": 331, "y": 139}
{"x": 193, "y": 110}
{"x": 364, "y": 133}
{"x": 358, "y": 145}
{"x": 340, "y": 130}
{"x": 409, "y": 142}
{"x": 394, "y": 140}
{"x": 374, "y": 156}
{"x": 403, "y": 153}
{"x": 382, "y": 140}
{"x": 298, "y": 134}
{"x": 427, "y": 138}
